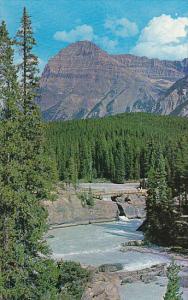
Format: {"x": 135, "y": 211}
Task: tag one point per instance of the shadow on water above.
{"x": 131, "y": 235}
{"x": 130, "y": 225}
{"x": 123, "y": 229}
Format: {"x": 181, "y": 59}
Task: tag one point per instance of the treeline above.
{"x": 120, "y": 147}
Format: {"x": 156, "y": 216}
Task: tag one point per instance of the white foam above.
{"x": 139, "y": 265}
{"x": 94, "y": 251}
{"x": 123, "y": 218}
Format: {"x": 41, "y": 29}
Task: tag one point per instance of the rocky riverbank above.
{"x": 107, "y": 279}
{"x": 68, "y": 209}
{"x": 102, "y": 286}
{"x": 142, "y": 247}
{"x": 180, "y": 258}
{"x": 116, "y": 272}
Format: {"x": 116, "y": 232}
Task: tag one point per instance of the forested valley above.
{"x": 120, "y": 148}
{"x": 131, "y": 147}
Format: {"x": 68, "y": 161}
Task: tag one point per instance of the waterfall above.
{"x": 121, "y": 213}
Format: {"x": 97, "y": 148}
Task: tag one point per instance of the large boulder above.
{"x": 102, "y": 287}
{"x": 110, "y": 267}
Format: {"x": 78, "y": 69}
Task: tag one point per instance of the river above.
{"x": 98, "y": 244}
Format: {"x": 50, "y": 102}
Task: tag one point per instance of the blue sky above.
{"x": 154, "y": 28}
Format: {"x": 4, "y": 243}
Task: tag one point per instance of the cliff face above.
{"x": 154, "y": 68}
{"x": 175, "y": 99}
{"x": 68, "y": 210}
{"x": 83, "y": 81}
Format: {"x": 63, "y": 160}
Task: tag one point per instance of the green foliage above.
{"x": 29, "y": 65}
{"x": 121, "y": 147}
{"x": 45, "y": 280}
{"x": 11, "y": 156}
{"x": 87, "y": 198}
{"x": 173, "y": 286}
{"x": 160, "y": 218}
{"x": 25, "y": 180}
{"x": 181, "y": 175}
{"x": 119, "y": 164}
{"x": 90, "y": 200}
{"x": 72, "y": 280}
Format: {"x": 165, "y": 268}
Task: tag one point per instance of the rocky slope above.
{"x": 83, "y": 81}
{"x": 103, "y": 286}
{"x": 68, "y": 210}
{"x": 175, "y": 99}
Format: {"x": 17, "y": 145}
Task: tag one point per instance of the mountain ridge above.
{"x": 84, "y": 81}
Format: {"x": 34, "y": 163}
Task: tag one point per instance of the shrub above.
{"x": 87, "y": 199}
{"x": 72, "y": 280}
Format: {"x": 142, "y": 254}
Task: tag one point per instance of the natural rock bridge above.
{"x": 129, "y": 198}
{"x": 112, "y": 189}
{"x": 120, "y": 193}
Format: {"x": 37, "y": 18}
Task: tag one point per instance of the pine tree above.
{"x": 151, "y": 220}
{"x": 25, "y": 180}
{"x": 73, "y": 176}
{"x": 29, "y": 66}
{"x": 180, "y": 182}
{"x": 159, "y": 204}
{"x": 173, "y": 287}
{"x": 10, "y": 157}
{"x": 86, "y": 161}
{"x": 119, "y": 164}
{"x": 22, "y": 269}
{"x": 162, "y": 191}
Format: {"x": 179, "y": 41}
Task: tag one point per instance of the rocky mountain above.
{"x": 175, "y": 99}
{"x": 83, "y": 81}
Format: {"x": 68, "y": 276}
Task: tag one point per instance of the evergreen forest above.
{"x": 120, "y": 148}
{"x": 130, "y": 147}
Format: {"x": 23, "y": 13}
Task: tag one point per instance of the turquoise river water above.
{"x": 98, "y": 244}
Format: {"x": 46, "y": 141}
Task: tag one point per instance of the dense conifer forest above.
{"x": 120, "y": 147}
{"x": 131, "y": 147}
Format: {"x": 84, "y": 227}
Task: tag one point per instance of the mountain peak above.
{"x": 84, "y": 81}
{"x": 86, "y": 44}
{"x": 82, "y": 48}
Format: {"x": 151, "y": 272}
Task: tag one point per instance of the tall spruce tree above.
{"x": 11, "y": 154}
{"x": 119, "y": 164}
{"x": 151, "y": 221}
{"x": 159, "y": 204}
{"x": 29, "y": 65}
{"x": 180, "y": 182}
{"x": 173, "y": 287}
{"x": 25, "y": 180}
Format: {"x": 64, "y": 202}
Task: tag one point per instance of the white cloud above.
{"x": 164, "y": 37}
{"x": 85, "y": 32}
{"x": 106, "y": 43}
{"x": 80, "y": 33}
{"x": 121, "y": 27}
